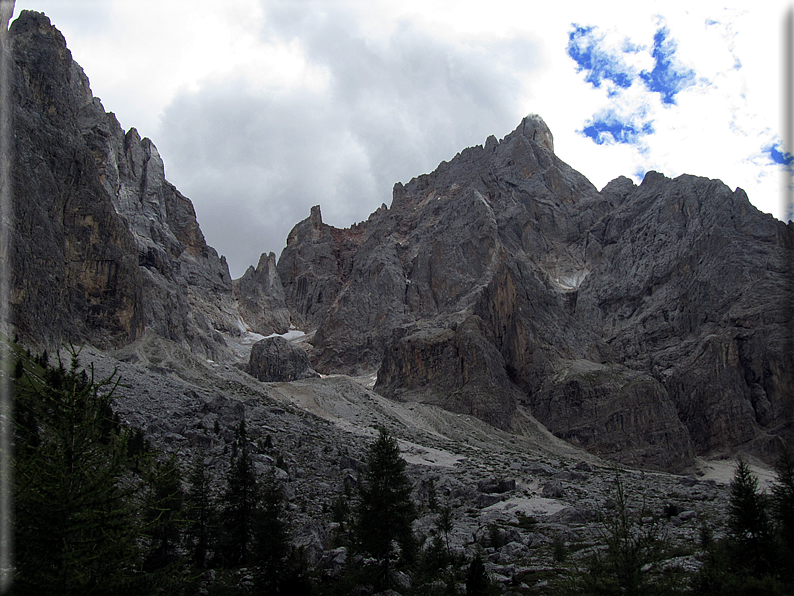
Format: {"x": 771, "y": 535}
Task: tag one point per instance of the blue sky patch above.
{"x": 667, "y": 77}
{"x": 779, "y": 155}
{"x": 599, "y": 63}
{"x": 586, "y": 48}
{"x": 609, "y": 128}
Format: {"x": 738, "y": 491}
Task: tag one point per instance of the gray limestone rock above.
{"x": 104, "y": 248}
{"x": 274, "y": 359}
{"x": 645, "y": 323}
{"x": 260, "y": 298}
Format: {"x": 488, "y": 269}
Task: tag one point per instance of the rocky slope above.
{"x": 513, "y": 496}
{"x": 104, "y": 248}
{"x": 646, "y": 323}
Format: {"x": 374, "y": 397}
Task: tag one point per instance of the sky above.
{"x": 262, "y": 108}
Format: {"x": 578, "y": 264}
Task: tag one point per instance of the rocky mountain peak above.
{"x": 648, "y": 324}
{"x": 603, "y": 312}
{"x": 118, "y": 251}
{"x": 535, "y": 129}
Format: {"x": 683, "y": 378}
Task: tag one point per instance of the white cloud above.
{"x": 262, "y": 108}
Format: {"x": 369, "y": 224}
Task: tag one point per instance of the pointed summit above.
{"x": 535, "y": 129}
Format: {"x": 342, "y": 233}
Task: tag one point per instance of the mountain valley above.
{"x": 531, "y": 342}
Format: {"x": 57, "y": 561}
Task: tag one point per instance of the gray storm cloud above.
{"x": 254, "y": 160}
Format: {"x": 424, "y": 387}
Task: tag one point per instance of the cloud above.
{"x": 778, "y": 155}
{"x": 369, "y": 112}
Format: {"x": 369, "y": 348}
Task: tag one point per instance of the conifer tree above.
{"x": 164, "y": 515}
{"x": 783, "y": 502}
{"x": 271, "y": 540}
{"x": 76, "y": 526}
{"x": 200, "y": 513}
{"x": 385, "y": 512}
{"x": 749, "y": 527}
{"x": 241, "y": 503}
{"x": 477, "y": 582}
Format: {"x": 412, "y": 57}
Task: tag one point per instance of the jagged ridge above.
{"x": 646, "y": 323}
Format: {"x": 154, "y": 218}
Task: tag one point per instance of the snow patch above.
{"x": 529, "y": 506}
{"x": 572, "y": 281}
{"x": 291, "y": 335}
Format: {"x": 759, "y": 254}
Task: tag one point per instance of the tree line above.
{"x": 99, "y": 511}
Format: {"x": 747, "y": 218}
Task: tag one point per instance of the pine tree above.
{"x": 241, "y": 503}
{"x": 271, "y": 540}
{"x": 477, "y": 582}
{"x": 630, "y": 561}
{"x": 749, "y": 527}
{"x": 444, "y": 526}
{"x": 76, "y": 526}
{"x": 385, "y": 512}
{"x": 164, "y": 515}
{"x": 783, "y": 507}
{"x": 200, "y": 513}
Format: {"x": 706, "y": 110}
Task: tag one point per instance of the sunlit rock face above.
{"x": 646, "y": 323}
{"x": 104, "y": 248}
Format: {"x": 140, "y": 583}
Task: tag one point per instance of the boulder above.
{"x": 274, "y": 359}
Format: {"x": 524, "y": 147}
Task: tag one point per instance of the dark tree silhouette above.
{"x": 385, "y": 512}
{"x": 75, "y": 524}
{"x": 200, "y": 513}
{"x": 240, "y": 505}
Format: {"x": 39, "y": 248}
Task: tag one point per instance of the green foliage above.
{"x": 340, "y": 510}
{"x": 749, "y": 526}
{"x": 783, "y": 507}
{"x": 432, "y": 497}
{"x": 444, "y": 526}
{"x": 271, "y": 539}
{"x": 76, "y": 527}
{"x": 240, "y": 505}
{"x": 385, "y": 511}
{"x": 629, "y": 561}
{"x": 201, "y": 514}
{"x": 164, "y": 516}
{"x": 559, "y": 550}
{"x": 477, "y": 580}
{"x": 755, "y": 557}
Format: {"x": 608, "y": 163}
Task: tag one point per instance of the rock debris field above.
{"x": 514, "y": 497}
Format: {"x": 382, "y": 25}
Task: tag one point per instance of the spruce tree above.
{"x": 477, "y": 582}
{"x": 200, "y": 513}
{"x": 76, "y": 524}
{"x": 241, "y": 503}
{"x": 783, "y": 505}
{"x": 749, "y": 527}
{"x": 271, "y": 540}
{"x": 164, "y": 515}
{"x": 385, "y": 512}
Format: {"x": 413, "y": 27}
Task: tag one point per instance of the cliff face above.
{"x": 646, "y": 323}
{"x": 104, "y": 248}
{"x": 74, "y": 264}
{"x": 260, "y": 298}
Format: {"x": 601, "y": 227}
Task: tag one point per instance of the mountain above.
{"x": 104, "y": 249}
{"x": 647, "y": 324}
